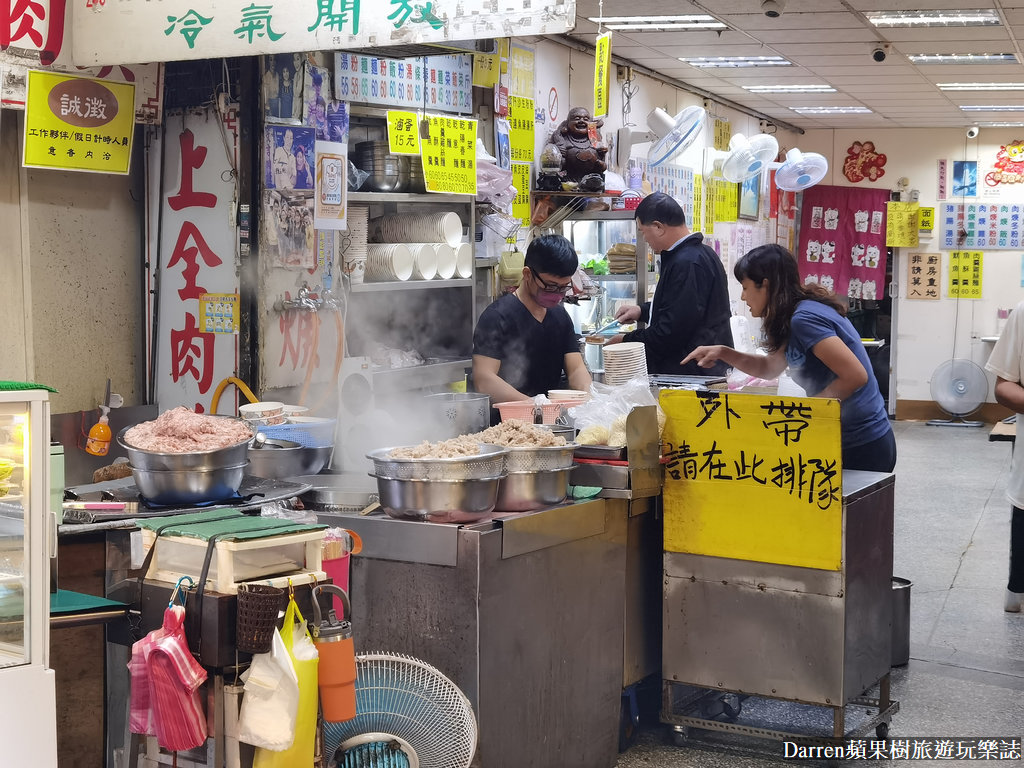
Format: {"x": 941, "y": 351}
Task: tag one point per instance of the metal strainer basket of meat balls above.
{"x": 511, "y": 467}
{"x": 184, "y": 458}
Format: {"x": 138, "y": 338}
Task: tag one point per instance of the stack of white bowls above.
{"x": 429, "y": 227}
{"x": 425, "y": 258}
{"x": 388, "y": 261}
{"x": 464, "y": 260}
{"x": 623, "y": 362}
{"x": 353, "y": 243}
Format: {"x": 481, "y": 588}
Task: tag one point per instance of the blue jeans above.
{"x": 877, "y": 456}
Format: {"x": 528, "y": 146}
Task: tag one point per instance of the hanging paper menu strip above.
{"x": 901, "y": 225}
{"x": 449, "y": 155}
{"x": 521, "y": 127}
{"x": 403, "y": 133}
{"x": 965, "y": 271}
{"x": 602, "y": 65}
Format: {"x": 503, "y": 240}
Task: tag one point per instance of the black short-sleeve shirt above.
{"x": 532, "y": 353}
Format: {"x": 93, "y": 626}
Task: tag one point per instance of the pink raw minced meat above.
{"x": 180, "y": 430}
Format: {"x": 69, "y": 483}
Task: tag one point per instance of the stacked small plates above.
{"x": 464, "y": 260}
{"x": 568, "y": 397}
{"x": 623, "y": 362}
{"x": 353, "y": 243}
{"x": 388, "y": 261}
{"x": 425, "y": 257}
{"x": 429, "y": 228}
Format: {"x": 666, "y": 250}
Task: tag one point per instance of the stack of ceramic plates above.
{"x": 623, "y": 362}
{"x": 425, "y": 258}
{"x": 428, "y": 227}
{"x": 464, "y": 260}
{"x": 389, "y": 261}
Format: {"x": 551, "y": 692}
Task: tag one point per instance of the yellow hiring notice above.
{"x": 753, "y": 477}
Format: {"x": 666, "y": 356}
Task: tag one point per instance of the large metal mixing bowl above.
{"x": 231, "y": 456}
{"x": 438, "y": 501}
{"x": 489, "y": 462}
{"x": 188, "y": 486}
{"x": 524, "y": 491}
{"x": 277, "y": 459}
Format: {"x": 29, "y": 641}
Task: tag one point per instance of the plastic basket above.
{"x": 311, "y": 434}
{"x": 258, "y": 607}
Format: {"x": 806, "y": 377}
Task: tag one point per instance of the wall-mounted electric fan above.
{"x": 671, "y": 135}
{"x": 959, "y": 387}
{"x": 800, "y": 170}
{"x": 745, "y": 159}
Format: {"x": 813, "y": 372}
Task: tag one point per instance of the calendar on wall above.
{"x": 987, "y": 225}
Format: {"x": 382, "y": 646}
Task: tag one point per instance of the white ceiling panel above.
{"x": 830, "y": 42}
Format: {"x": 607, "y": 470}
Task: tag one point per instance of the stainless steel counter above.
{"x": 525, "y": 614}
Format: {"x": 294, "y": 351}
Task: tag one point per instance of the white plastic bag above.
{"x": 271, "y": 700}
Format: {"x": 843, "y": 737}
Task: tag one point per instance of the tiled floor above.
{"x": 966, "y": 673}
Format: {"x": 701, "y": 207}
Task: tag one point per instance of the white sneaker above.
{"x": 1013, "y": 602}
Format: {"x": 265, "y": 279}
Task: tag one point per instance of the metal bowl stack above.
{"x": 451, "y": 490}
{"x": 187, "y": 478}
{"x": 535, "y": 477}
{"x": 388, "y": 173}
{"x": 277, "y": 459}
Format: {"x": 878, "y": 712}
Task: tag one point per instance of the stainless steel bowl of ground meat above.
{"x": 180, "y": 439}
{"x": 188, "y": 486}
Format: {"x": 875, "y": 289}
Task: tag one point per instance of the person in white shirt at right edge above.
{"x": 1007, "y": 363}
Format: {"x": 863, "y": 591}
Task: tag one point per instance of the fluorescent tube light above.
{"x": 789, "y": 88}
{"x": 992, "y": 107}
{"x": 975, "y": 18}
{"x": 961, "y": 58}
{"x": 832, "y": 110}
{"x": 641, "y": 23}
{"x": 981, "y": 86}
{"x": 706, "y": 62}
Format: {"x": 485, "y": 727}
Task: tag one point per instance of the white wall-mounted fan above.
{"x": 959, "y": 387}
{"x": 671, "y": 135}
{"x": 800, "y": 170}
{"x": 745, "y": 159}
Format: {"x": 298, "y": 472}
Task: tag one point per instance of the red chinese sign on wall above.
{"x": 863, "y": 162}
{"x": 1009, "y": 165}
{"x": 197, "y": 258}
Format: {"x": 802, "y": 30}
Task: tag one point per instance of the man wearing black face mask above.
{"x": 525, "y": 340}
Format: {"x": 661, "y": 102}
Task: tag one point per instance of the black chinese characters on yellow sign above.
{"x": 753, "y": 477}
{"x": 449, "y": 155}
{"x": 78, "y": 123}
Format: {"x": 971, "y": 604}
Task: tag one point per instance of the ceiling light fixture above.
{"x": 1002, "y": 125}
{"x": 832, "y": 110}
{"x": 653, "y": 23}
{"x": 706, "y": 62}
{"x": 961, "y": 58}
{"x": 975, "y": 18}
{"x": 981, "y": 86}
{"x": 789, "y": 88}
{"x": 992, "y": 107}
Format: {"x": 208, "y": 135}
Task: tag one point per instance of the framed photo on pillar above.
{"x": 750, "y": 197}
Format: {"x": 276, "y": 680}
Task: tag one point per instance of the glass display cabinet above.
{"x": 27, "y": 539}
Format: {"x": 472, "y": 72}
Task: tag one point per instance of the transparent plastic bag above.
{"x": 494, "y": 185}
{"x": 356, "y": 176}
{"x": 608, "y": 407}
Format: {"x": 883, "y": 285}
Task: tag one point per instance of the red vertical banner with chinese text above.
{"x": 196, "y": 256}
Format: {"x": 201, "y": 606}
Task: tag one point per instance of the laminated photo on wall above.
{"x": 282, "y": 85}
{"x": 337, "y": 120}
{"x": 288, "y": 229}
{"x": 288, "y": 154}
{"x": 331, "y": 185}
{"x": 316, "y": 90}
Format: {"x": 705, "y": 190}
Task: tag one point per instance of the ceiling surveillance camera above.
{"x": 773, "y": 8}
{"x": 879, "y": 53}
{"x": 972, "y": 132}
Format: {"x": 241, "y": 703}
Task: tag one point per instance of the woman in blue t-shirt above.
{"x": 805, "y": 327}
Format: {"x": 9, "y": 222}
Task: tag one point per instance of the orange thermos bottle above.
{"x": 337, "y": 667}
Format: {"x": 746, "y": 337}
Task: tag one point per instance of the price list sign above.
{"x": 987, "y": 225}
{"x": 403, "y": 133}
{"x": 965, "y": 270}
{"x": 753, "y": 477}
{"x": 449, "y": 155}
{"x": 520, "y": 128}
